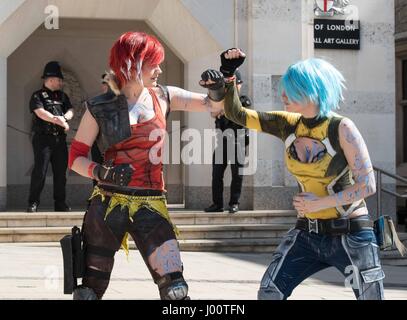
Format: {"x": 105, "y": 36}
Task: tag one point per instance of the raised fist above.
{"x": 231, "y": 59}
{"x": 214, "y": 81}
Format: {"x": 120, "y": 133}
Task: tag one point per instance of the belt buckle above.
{"x": 313, "y": 226}
{"x": 340, "y": 226}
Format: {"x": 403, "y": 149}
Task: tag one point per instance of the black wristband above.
{"x": 227, "y": 73}
{"x": 217, "y": 94}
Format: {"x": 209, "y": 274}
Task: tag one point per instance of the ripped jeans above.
{"x": 301, "y": 254}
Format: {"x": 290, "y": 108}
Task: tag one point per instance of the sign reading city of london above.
{"x": 336, "y": 34}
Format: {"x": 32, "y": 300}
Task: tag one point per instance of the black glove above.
{"x": 216, "y": 90}
{"x": 119, "y": 175}
{"x": 229, "y": 66}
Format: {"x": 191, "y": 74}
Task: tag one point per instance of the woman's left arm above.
{"x": 183, "y": 100}
{"x": 357, "y": 156}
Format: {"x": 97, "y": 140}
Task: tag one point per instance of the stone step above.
{"x": 179, "y": 217}
{"x": 187, "y": 232}
{"x": 403, "y": 237}
{"x": 233, "y": 231}
{"x": 265, "y": 245}
{"x": 208, "y": 245}
{"x": 393, "y": 257}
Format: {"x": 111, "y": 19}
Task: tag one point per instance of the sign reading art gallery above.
{"x": 336, "y": 34}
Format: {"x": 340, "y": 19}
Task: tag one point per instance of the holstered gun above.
{"x": 74, "y": 259}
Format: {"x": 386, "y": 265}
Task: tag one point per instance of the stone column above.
{"x": 272, "y": 52}
{"x": 197, "y": 176}
{"x": 3, "y": 133}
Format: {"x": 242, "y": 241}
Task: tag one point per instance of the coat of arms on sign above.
{"x": 329, "y": 8}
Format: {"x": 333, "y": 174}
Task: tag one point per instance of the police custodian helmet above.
{"x": 52, "y": 69}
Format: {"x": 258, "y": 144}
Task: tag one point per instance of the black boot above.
{"x": 61, "y": 207}
{"x": 233, "y": 208}
{"x": 214, "y": 208}
{"x": 32, "y": 207}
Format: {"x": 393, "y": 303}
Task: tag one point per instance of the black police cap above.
{"x": 52, "y": 69}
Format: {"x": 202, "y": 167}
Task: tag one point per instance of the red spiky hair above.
{"x": 131, "y": 50}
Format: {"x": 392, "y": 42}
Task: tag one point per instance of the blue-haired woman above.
{"x": 328, "y": 157}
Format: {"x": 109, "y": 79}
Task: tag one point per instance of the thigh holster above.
{"x": 74, "y": 252}
{"x": 74, "y": 259}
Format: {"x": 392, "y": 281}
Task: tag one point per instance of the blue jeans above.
{"x": 301, "y": 254}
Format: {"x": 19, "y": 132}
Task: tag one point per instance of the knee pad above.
{"x": 172, "y": 286}
{"x": 84, "y": 293}
{"x": 271, "y": 292}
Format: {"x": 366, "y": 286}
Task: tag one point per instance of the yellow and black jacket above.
{"x": 328, "y": 175}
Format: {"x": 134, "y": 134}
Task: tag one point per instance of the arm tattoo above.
{"x": 364, "y": 187}
{"x": 361, "y": 167}
{"x": 162, "y": 95}
{"x": 351, "y": 137}
{"x": 206, "y": 102}
{"x": 184, "y": 98}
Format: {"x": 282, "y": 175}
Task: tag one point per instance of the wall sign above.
{"x": 329, "y": 8}
{"x": 336, "y": 34}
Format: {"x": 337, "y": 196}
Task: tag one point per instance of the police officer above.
{"x": 228, "y": 147}
{"x": 52, "y": 110}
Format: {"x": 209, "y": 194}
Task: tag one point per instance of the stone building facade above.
{"x": 274, "y": 33}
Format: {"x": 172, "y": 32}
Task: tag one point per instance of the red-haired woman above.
{"x": 128, "y": 123}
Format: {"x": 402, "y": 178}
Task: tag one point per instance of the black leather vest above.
{"x": 53, "y": 102}
{"x": 111, "y": 113}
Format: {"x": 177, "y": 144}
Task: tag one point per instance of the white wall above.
{"x": 217, "y": 17}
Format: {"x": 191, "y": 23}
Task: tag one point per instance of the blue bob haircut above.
{"x": 314, "y": 81}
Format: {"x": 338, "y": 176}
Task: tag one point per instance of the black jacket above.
{"x": 224, "y": 123}
{"x": 55, "y": 102}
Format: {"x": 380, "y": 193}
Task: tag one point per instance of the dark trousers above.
{"x": 49, "y": 148}
{"x": 220, "y": 161}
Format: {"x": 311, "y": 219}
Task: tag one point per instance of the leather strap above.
{"x": 333, "y": 226}
{"x": 97, "y": 274}
{"x": 110, "y": 190}
{"x": 99, "y": 251}
{"x": 167, "y": 96}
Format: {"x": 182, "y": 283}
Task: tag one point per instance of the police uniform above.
{"x": 239, "y": 136}
{"x": 49, "y": 143}
{"x": 231, "y": 147}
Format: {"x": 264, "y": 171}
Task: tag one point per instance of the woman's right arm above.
{"x": 83, "y": 141}
{"x": 272, "y": 122}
